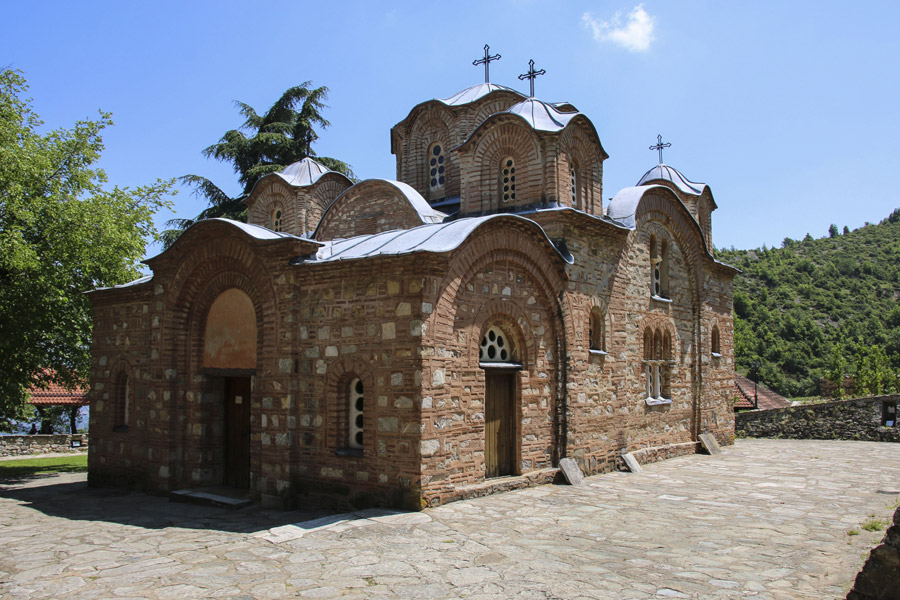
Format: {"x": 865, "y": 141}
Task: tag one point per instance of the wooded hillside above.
{"x": 821, "y": 307}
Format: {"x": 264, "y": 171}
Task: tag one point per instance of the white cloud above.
{"x": 635, "y": 35}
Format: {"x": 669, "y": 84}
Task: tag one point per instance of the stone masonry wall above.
{"x": 435, "y": 122}
{"x": 318, "y": 327}
{"x": 856, "y": 419}
{"x": 25, "y": 445}
{"x": 499, "y": 278}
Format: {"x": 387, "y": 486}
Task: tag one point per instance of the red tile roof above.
{"x": 52, "y": 394}
{"x": 766, "y": 397}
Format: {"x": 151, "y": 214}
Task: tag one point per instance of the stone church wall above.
{"x": 125, "y": 327}
{"x": 360, "y": 319}
{"x": 497, "y": 280}
{"x": 717, "y": 390}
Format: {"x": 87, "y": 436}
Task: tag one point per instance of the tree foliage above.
{"x": 264, "y": 143}
{"x": 62, "y": 233}
{"x": 821, "y": 307}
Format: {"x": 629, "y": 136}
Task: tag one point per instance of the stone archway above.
{"x": 230, "y": 344}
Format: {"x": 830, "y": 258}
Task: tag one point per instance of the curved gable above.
{"x": 445, "y": 123}
{"x": 294, "y": 199}
{"x": 374, "y": 206}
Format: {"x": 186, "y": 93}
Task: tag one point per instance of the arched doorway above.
{"x": 500, "y": 438}
{"x": 229, "y": 347}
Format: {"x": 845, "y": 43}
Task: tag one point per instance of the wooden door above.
{"x": 499, "y": 424}
{"x": 237, "y": 432}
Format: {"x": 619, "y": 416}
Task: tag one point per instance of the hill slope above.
{"x": 802, "y": 309}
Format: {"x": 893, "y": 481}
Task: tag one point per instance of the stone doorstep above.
{"x": 503, "y": 484}
{"x": 341, "y": 522}
{"x": 223, "y": 497}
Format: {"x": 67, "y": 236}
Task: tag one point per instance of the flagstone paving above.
{"x": 764, "y": 519}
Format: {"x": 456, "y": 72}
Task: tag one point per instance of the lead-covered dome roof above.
{"x": 471, "y": 94}
{"x": 663, "y": 172}
{"x": 303, "y": 172}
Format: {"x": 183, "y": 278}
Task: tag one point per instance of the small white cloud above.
{"x": 635, "y": 35}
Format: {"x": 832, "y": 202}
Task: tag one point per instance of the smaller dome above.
{"x": 471, "y": 94}
{"x": 542, "y": 116}
{"x": 666, "y": 173}
{"x": 303, "y": 172}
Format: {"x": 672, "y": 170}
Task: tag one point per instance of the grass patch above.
{"x": 874, "y": 524}
{"x": 853, "y": 531}
{"x": 28, "y": 467}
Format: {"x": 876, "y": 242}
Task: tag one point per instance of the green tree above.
{"x": 837, "y": 368}
{"x": 264, "y": 144}
{"x": 833, "y": 231}
{"x": 62, "y": 233}
{"x": 874, "y": 374}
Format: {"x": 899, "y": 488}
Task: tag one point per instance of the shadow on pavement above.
{"x": 68, "y": 496}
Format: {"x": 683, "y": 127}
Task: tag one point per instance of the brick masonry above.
{"x": 855, "y": 419}
{"x": 409, "y": 328}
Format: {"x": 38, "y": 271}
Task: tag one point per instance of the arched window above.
{"x": 355, "y": 421}
{"x": 715, "y": 342}
{"x": 495, "y": 346}
{"x": 573, "y": 176}
{"x": 659, "y": 268}
{"x": 436, "y": 167}
{"x": 657, "y": 365}
{"x": 121, "y": 402}
{"x": 597, "y": 332}
{"x": 277, "y": 220}
{"x": 508, "y": 179}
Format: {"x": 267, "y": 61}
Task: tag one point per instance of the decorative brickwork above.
{"x": 301, "y": 206}
{"x": 367, "y": 385}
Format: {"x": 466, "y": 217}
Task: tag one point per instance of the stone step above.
{"x": 225, "y": 498}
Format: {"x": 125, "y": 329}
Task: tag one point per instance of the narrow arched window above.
{"x": 573, "y": 176}
{"x": 121, "y": 402}
{"x": 664, "y": 270}
{"x": 597, "y": 332}
{"x": 659, "y": 268}
{"x": 716, "y": 344}
{"x": 508, "y": 179}
{"x": 356, "y": 404}
{"x": 436, "y": 167}
{"x": 277, "y": 220}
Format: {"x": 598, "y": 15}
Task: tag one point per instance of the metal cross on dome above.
{"x": 531, "y": 74}
{"x": 486, "y": 61}
{"x": 659, "y": 146}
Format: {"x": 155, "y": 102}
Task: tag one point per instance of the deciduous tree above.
{"x": 62, "y": 232}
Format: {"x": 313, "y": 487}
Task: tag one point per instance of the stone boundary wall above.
{"x": 880, "y": 576}
{"x": 855, "y": 419}
{"x": 25, "y": 445}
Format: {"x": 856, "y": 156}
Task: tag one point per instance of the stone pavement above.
{"x": 764, "y": 519}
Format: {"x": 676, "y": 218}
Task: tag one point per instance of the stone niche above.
{"x": 229, "y": 341}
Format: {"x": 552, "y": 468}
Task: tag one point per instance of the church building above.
{"x": 450, "y": 333}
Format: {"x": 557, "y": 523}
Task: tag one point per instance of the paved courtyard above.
{"x": 765, "y": 519}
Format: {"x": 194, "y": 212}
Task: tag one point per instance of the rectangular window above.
{"x": 889, "y": 414}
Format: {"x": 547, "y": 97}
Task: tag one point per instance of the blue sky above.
{"x": 788, "y": 110}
